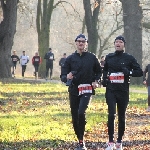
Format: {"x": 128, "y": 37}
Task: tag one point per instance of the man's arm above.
{"x": 18, "y": 59}
{"x": 105, "y": 73}
{"x": 136, "y": 69}
{"x": 27, "y": 59}
{"x": 65, "y": 69}
{"x": 46, "y": 56}
{"x": 97, "y": 70}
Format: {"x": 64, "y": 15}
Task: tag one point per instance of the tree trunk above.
{"x": 7, "y": 30}
{"x": 43, "y": 29}
{"x": 91, "y": 19}
{"x": 132, "y": 17}
{"x": 43, "y": 26}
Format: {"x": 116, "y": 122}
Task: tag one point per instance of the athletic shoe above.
{"x": 110, "y": 146}
{"x": 81, "y": 146}
{"x": 118, "y": 146}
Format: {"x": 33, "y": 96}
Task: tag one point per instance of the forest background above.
{"x": 68, "y": 19}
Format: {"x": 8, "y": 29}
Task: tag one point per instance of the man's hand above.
{"x": 144, "y": 82}
{"x": 70, "y": 75}
{"x": 95, "y": 85}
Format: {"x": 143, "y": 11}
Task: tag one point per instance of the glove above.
{"x": 104, "y": 83}
{"x": 125, "y": 71}
{"x": 63, "y": 78}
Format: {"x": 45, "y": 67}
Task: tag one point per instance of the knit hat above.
{"x": 120, "y": 38}
{"x": 81, "y": 36}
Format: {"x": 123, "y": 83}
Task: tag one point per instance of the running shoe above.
{"x": 118, "y": 146}
{"x": 110, "y": 146}
{"x": 81, "y": 146}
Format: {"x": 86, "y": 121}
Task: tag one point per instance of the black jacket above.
{"x": 62, "y": 61}
{"x": 14, "y": 59}
{"x": 49, "y": 58}
{"x": 116, "y": 62}
{"x": 86, "y": 68}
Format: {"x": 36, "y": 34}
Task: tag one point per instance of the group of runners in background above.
{"x": 36, "y": 61}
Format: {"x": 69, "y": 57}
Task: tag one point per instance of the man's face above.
{"x": 36, "y": 54}
{"x": 119, "y": 45}
{"x": 81, "y": 44}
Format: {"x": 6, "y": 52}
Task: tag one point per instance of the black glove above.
{"x": 104, "y": 82}
{"x": 125, "y": 71}
{"x": 63, "y": 78}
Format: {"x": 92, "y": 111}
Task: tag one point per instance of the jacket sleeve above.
{"x": 105, "y": 69}
{"x": 97, "y": 70}
{"x": 136, "y": 69}
{"x": 60, "y": 61}
{"x": 65, "y": 69}
{"x": 32, "y": 60}
{"x": 27, "y": 59}
{"x": 105, "y": 80}
{"x": 46, "y": 56}
{"x": 144, "y": 73}
{"x": 18, "y": 59}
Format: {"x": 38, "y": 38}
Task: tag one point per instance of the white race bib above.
{"x": 84, "y": 88}
{"x": 51, "y": 57}
{"x": 116, "y": 77}
{"x": 36, "y": 59}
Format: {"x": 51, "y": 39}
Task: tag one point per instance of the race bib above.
{"x": 51, "y": 57}
{"x": 36, "y": 59}
{"x": 116, "y": 77}
{"x": 14, "y": 59}
{"x": 84, "y": 88}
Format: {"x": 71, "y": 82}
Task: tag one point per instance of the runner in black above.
{"x": 81, "y": 72}
{"x": 36, "y": 61}
{"x": 118, "y": 68}
{"x": 14, "y": 59}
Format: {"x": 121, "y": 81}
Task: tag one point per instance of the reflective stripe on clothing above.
{"x": 84, "y": 88}
{"x": 116, "y": 77}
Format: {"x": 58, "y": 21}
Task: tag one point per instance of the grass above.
{"x": 34, "y": 115}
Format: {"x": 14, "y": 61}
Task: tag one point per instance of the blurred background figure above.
{"x": 24, "y": 60}
{"x": 36, "y": 61}
{"x": 62, "y": 60}
{"x": 49, "y": 56}
{"x": 14, "y": 59}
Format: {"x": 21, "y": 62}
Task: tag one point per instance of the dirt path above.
{"x": 136, "y": 137}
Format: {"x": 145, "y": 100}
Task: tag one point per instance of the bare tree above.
{"x": 91, "y": 20}
{"x": 109, "y": 23}
{"x": 44, "y": 13}
{"x": 7, "y": 30}
{"x": 132, "y": 18}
